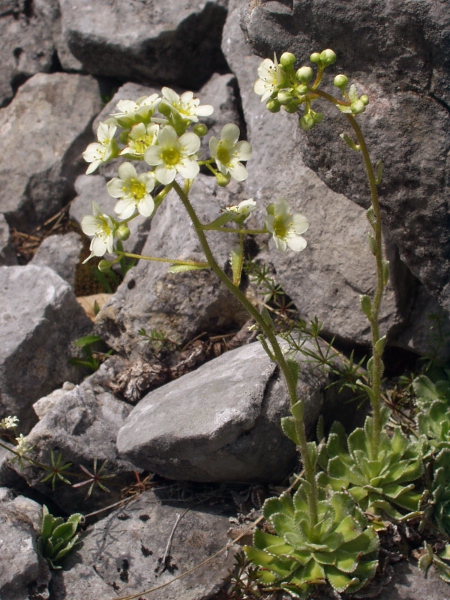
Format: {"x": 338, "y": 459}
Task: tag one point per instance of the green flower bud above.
{"x": 104, "y": 266}
{"x": 304, "y": 74}
{"x": 287, "y": 60}
{"x": 223, "y": 180}
{"x": 200, "y": 129}
{"x": 357, "y": 107}
{"x": 307, "y": 122}
{"x": 284, "y": 97}
{"x": 271, "y": 209}
{"x": 302, "y": 90}
{"x": 327, "y": 57}
{"x": 273, "y": 105}
{"x": 123, "y": 232}
{"x": 364, "y": 99}
{"x": 315, "y": 58}
{"x": 164, "y": 109}
{"x": 291, "y": 107}
{"x": 318, "y": 117}
{"x": 341, "y": 82}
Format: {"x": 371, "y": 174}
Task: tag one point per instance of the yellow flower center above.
{"x": 136, "y": 189}
{"x": 281, "y": 227}
{"x": 140, "y": 145}
{"x": 223, "y": 155}
{"x": 171, "y": 156}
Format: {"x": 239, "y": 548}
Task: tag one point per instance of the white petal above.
{"x": 300, "y": 223}
{"x": 164, "y": 174}
{"x": 127, "y": 171}
{"x": 98, "y": 246}
{"x": 243, "y": 151}
{"x": 93, "y": 166}
{"x": 296, "y": 242}
{"x": 115, "y": 188}
{"x": 125, "y": 208}
{"x": 170, "y": 95}
{"x": 261, "y": 87}
{"x": 146, "y": 206}
{"x": 190, "y": 142}
{"x": 230, "y": 133}
{"x": 167, "y": 136}
{"x": 204, "y": 110}
{"x": 282, "y": 209}
{"x": 269, "y": 223}
{"x": 89, "y": 225}
{"x": 238, "y": 171}
{"x": 188, "y": 168}
{"x": 152, "y": 155}
{"x": 213, "y": 145}
{"x": 279, "y": 243}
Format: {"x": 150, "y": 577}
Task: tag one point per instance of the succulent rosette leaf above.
{"x": 57, "y": 536}
{"x": 382, "y": 485}
{"x": 340, "y": 549}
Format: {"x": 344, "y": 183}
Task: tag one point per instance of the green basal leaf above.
{"x": 65, "y": 531}
{"x": 185, "y": 268}
{"x": 346, "y": 562}
{"x": 66, "y": 549}
{"x": 298, "y": 410}
{"x": 338, "y": 580}
{"x": 87, "y": 340}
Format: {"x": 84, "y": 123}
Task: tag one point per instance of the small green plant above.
{"x": 382, "y": 481}
{"x": 158, "y": 340}
{"x": 340, "y": 548}
{"x": 440, "y": 560}
{"x": 92, "y": 358}
{"x": 58, "y": 537}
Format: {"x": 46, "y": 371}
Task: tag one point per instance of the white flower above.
{"x": 22, "y": 445}
{"x": 103, "y": 150}
{"x": 134, "y": 191}
{"x": 227, "y": 152}
{"x": 286, "y": 228}
{"x": 243, "y": 209}
{"x": 271, "y": 76}
{"x": 140, "y": 138}
{"x": 9, "y": 422}
{"x": 102, "y": 228}
{"x": 131, "y": 112}
{"x": 173, "y": 155}
{"x": 186, "y": 105}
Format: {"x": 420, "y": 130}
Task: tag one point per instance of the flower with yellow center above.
{"x": 228, "y": 152}
{"x": 271, "y": 78}
{"x": 186, "y": 106}
{"x": 140, "y": 138}
{"x": 172, "y": 155}
{"x": 102, "y": 151}
{"x": 285, "y": 227}
{"x": 131, "y": 112}
{"x": 133, "y": 191}
{"x": 102, "y": 228}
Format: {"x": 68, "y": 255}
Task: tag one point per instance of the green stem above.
{"x": 378, "y": 366}
{"x": 277, "y": 351}
{"x": 231, "y": 230}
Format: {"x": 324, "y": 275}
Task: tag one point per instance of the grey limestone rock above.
{"x": 82, "y": 426}
{"x": 61, "y": 253}
{"x": 7, "y": 255}
{"x": 45, "y": 128}
{"x": 23, "y": 571}
{"x": 398, "y": 54}
{"x": 221, "y": 422}
{"x": 27, "y": 46}
{"x": 40, "y": 320}
{"x": 146, "y": 41}
{"x": 182, "y": 305}
{"x": 122, "y": 553}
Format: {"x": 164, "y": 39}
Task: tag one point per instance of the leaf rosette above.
{"x": 340, "y": 549}
{"x": 380, "y": 485}
{"x": 57, "y": 536}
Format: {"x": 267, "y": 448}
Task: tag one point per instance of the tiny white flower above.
{"x": 9, "y": 422}
{"x": 101, "y": 227}
{"x": 186, "y": 105}
{"x": 228, "y": 152}
{"x": 103, "y": 150}
{"x": 22, "y": 445}
{"x": 271, "y": 76}
{"x": 172, "y": 155}
{"x": 243, "y": 209}
{"x": 133, "y": 191}
{"x": 131, "y": 112}
{"x": 286, "y": 228}
{"x": 140, "y": 138}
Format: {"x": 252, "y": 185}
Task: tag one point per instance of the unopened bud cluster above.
{"x": 280, "y": 85}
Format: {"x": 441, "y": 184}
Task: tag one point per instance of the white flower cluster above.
{"x": 154, "y": 129}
